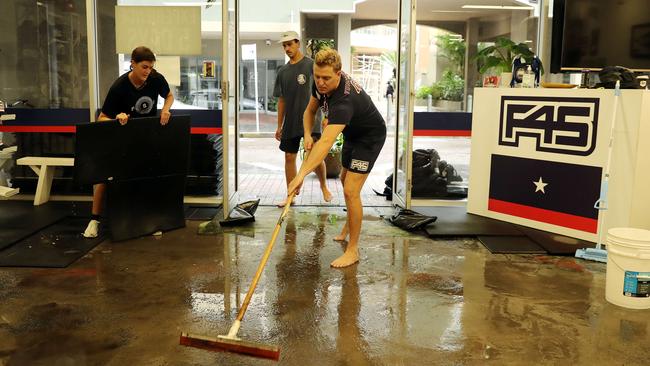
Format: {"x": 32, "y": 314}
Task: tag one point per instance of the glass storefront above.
{"x": 44, "y": 64}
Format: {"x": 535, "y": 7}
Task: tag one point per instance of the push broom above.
{"x": 599, "y": 254}
{"x": 230, "y": 342}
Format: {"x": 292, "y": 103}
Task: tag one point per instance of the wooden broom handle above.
{"x": 265, "y": 257}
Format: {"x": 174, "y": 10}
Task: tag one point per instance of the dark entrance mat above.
{"x": 20, "y": 219}
{"x": 556, "y": 244}
{"x": 202, "y": 213}
{"x": 511, "y": 244}
{"x": 455, "y": 221}
{"x": 55, "y": 246}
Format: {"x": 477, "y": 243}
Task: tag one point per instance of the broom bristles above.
{"x": 231, "y": 345}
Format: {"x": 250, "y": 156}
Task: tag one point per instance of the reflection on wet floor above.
{"x": 411, "y": 301}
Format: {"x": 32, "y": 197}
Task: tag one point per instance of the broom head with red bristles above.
{"x": 222, "y": 344}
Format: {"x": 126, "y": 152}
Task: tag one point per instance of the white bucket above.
{"x": 628, "y": 268}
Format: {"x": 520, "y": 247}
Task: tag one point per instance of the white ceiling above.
{"x": 439, "y": 10}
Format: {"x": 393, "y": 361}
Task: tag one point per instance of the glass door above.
{"x": 405, "y": 95}
{"x": 230, "y": 98}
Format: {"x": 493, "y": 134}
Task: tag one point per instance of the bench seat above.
{"x": 44, "y": 168}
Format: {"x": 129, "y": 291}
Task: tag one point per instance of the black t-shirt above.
{"x": 123, "y": 97}
{"x": 293, "y": 83}
{"x": 350, "y": 105}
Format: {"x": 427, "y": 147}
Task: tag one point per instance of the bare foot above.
{"x": 343, "y": 235}
{"x": 340, "y": 237}
{"x": 327, "y": 195}
{"x": 284, "y": 203}
{"x": 348, "y": 258}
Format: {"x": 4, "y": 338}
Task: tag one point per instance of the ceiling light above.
{"x": 498, "y": 7}
{"x": 191, "y": 3}
{"x": 453, "y": 11}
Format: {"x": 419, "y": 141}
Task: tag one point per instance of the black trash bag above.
{"x": 388, "y": 191}
{"x": 422, "y": 157}
{"x": 242, "y": 213}
{"x": 431, "y": 178}
{"x": 249, "y": 206}
{"x": 410, "y": 220}
{"x": 610, "y": 74}
{"x": 448, "y": 172}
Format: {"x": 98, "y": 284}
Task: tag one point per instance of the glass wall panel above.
{"x": 447, "y": 69}
{"x": 43, "y": 54}
{"x": 195, "y": 81}
{"x": 43, "y": 82}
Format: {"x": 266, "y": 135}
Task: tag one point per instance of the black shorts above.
{"x": 292, "y": 145}
{"x": 360, "y": 156}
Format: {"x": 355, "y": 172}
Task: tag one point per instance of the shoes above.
{"x": 92, "y": 229}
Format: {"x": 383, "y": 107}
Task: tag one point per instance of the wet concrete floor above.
{"x": 411, "y": 301}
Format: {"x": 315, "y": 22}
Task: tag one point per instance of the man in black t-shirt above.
{"x": 134, "y": 94}
{"x": 348, "y": 110}
{"x": 292, "y": 88}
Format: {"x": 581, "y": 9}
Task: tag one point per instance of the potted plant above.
{"x": 497, "y": 58}
{"x": 452, "y": 49}
{"x": 333, "y": 158}
{"x": 452, "y": 91}
{"x": 448, "y": 92}
{"x": 423, "y": 93}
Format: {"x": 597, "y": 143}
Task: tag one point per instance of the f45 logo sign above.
{"x": 559, "y": 125}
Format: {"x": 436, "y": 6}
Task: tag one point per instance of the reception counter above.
{"x": 539, "y": 155}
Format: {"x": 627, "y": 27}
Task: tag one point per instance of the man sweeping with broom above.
{"x": 348, "y": 110}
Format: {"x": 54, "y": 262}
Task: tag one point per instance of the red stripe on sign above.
{"x": 70, "y": 129}
{"x": 539, "y": 214}
{"x": 206, "y": 130}
{"x": 442, "y": 132}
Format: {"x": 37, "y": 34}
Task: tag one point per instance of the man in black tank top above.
{"x": 348, "y": 110}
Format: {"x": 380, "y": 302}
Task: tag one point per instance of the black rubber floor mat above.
{"x": 20, "y": 219}
{"x": 56, "y": 246}
{"x": 141, "y": 207}
{"x": 556, "y": 244}
{"x": 511, "y": 244}
{"x": 140, "y": 149}
{"x": 201, "y": 213}
{"x": 455, "y": 221}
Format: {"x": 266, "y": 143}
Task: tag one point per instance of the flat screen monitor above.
{"x": 592, "y": 34}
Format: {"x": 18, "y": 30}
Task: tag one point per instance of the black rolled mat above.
{"x": 55, "y": 246}
{"x": 511, "y": 244}
{"x": 455, "y": 221}
{"x": 202, "y": 213}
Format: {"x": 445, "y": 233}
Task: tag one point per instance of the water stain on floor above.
{"x": 410, "y": 301}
